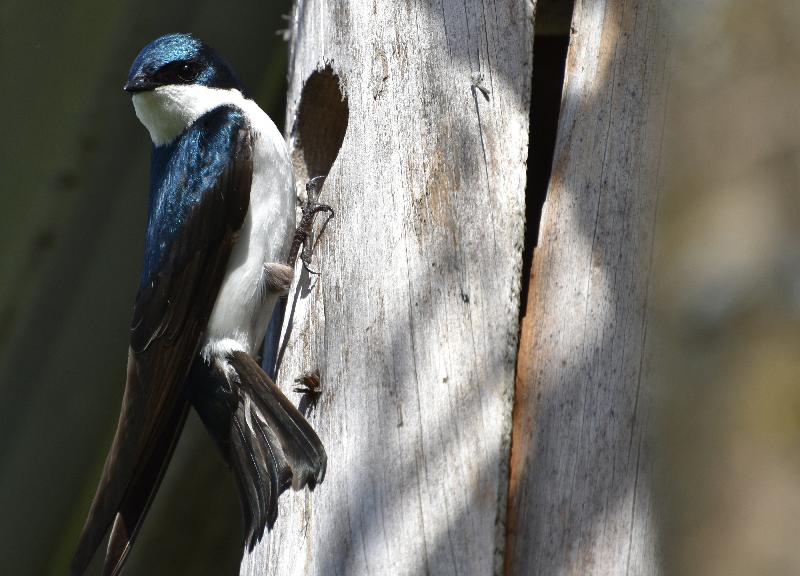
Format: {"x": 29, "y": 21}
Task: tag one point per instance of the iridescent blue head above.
{"x": 179, "y": 59}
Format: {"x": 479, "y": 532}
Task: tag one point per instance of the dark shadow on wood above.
{"x": 549, "y": 58}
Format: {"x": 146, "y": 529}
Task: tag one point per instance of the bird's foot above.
{"x": 304, "y": 235}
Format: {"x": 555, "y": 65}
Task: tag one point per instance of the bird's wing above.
{"x": 196, "y": 211}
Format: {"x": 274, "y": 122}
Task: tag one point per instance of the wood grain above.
{"x": 579, "y": 493}
{"x": 413, "y": 321}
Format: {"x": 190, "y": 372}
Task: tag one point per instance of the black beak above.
{"x": 140, "y": 84}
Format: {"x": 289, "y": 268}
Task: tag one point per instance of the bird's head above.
{"x": 179, "y": 60}
{"x": 175, "y": 79}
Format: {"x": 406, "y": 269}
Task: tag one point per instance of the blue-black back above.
{"x": 183, "y": 173}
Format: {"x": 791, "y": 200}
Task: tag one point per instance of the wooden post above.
{"x": 412, "y": 324}
{"x": 579, "y": 495}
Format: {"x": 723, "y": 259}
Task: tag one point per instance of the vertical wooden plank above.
{"x": 413, "y": 323}
{"x": 579, "y": 495}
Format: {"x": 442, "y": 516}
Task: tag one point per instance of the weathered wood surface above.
{"x": 728, "y": 305}
{"x": 413, "y": 322}
{"x": 579, "y": 495}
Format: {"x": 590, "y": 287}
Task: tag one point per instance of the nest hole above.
{"x": 320, "y": 124}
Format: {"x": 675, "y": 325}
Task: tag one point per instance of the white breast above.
{"x": 242, "y": 310}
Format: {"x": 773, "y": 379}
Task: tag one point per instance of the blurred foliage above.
{"x": 75, "y": 162}
{"x": 729, "y": 292}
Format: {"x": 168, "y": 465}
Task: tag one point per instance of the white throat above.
{"x": 169, "y": 110}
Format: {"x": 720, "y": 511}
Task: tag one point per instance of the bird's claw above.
{"x": 303, "y": 236}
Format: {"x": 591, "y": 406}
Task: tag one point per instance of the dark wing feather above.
{"x": 300, "y": 446}
{"x": 198, "y": 204}
{"x": 273, "y": 446}
{"x": 140, "y": 494}
{"x": 264, "y": 438}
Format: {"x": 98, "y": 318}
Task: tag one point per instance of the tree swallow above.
{"x": 220, "y": 225}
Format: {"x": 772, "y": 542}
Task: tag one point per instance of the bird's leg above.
{"x": 278, "y": 277}
{"x": 304, "y": 235}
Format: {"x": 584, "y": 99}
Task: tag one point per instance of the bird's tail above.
{"x": 264, "y": 438}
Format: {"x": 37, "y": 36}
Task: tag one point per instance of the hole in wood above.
{"x": 319, "y": 126}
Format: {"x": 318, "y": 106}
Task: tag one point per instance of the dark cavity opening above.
{"x": 320, "y": 125}
{"x": 550, "y": 43}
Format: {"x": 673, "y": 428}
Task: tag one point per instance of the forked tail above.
{"x": 264, "y": 438}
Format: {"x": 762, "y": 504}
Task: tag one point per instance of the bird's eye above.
{"x": 184, "y": 72}
{"x": 187, "y": 71}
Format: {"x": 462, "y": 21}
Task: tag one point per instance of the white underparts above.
{"x": 169, "y": 110}
{"x": 244, "y": 303}
{"x": 221, "y": 348}
{"x": 218, "y": 351}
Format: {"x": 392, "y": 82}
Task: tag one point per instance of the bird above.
{"x": 219, "y": 228}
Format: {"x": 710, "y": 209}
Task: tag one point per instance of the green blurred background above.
{"x": 74, "y": 164}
